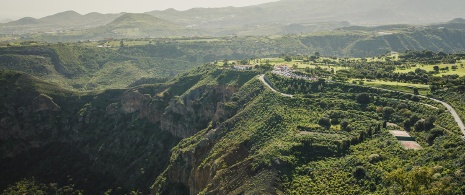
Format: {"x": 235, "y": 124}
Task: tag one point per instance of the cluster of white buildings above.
{"x": 288, "y": 72}
{"x": 243, "y": 67}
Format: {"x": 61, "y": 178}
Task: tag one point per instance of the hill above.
{"x": 358, "y": 12}
{"x": 64, "y": 21}
{"x": 125, "y": 26}
{"x": 139, "y": 25}
{"x": 24, "y": 21}
{"x": 219, "y": 131}
{"x": 457, "y": 23}
{"x": 6, "y": 20}
{"x": 76, "y": 20}
{"x": 271, "y": 17}
{"x": 84, "y": 68}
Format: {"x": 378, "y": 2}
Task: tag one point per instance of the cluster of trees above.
{"x": 429, "y": 57}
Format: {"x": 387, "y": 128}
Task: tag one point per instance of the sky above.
{"x": 16, "y": 9}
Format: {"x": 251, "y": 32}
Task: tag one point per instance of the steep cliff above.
{"x": 121, "y": 137}
{"x": 97, "y": 141}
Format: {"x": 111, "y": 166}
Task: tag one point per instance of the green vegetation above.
{"x": 328, "y": 134}
{"x": 443, "y": 69}
{"x": 131, "y": 118}
{"x": 31, "y": 186}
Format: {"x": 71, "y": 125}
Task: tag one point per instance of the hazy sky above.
{"x": 15, "y": 9}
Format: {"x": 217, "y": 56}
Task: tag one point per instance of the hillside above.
{"x": 269, "y": 17}
{"x": 6, "y": 20}
{"x": 24, "y": 21}
{"x": 358, "y": 12}
{"x": 115, "y": 139}
{"x": 76, "y": 20}
{"x": 64, "y": 21}
{"x": 139, "y": 25}
{"x": 84, "y": 68}
{"x": 219, "y": 131}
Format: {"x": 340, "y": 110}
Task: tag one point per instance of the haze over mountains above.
{"x": 284, "y": 12}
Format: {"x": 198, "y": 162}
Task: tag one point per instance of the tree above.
{"x": 436, "y": 68}
{"x": 244, "y": 62}
{"x": 325, "y": 122}
{"x": 360, "y": 172}
{"x": 121, "y": 44}
{"x": 335, "y": 121}
{"x": 387, "y": 112}
{"x": 287, "y": 59}
{"x": 363, "y": 98}
{"x": 429, "y": 122}
{"x": 345, "y": 125}
{"x": 402, "y": 106}
{"x": 419, "y": 125}
{"x": 433, "y": 134}
{"x": 407, "y": 125}
{"x": 415, "y": 91}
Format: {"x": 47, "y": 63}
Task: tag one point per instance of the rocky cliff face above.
{"x": 23, "y": 127}
{"x": 116, "y": 139}
{"x": 197, "y": 167}
{"x": 188, "y": 114}
{"x": 210, "y": 178}
{"x": 44, "y": 103}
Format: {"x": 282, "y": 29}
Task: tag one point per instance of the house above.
{"x": 243, "y": 67}
{"x": 282, "y": 68}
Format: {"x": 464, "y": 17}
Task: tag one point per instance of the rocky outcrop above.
{"x": 112, "y": 109}
{"x": 226, "y": 174}
{"x": 133, "y": 101}
{"x": 194, "y": 111}
{"x": 44, "y": 103}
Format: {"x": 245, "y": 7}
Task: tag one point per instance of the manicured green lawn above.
{"x": 460, "y": 71}
{"x": 399, "y": 86}
{"x": 380, "y": 82}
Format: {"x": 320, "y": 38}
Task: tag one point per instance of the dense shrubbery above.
{"x": 348, "y": 177}
{"x": 329, "y": 134}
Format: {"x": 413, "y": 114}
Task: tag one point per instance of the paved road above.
{"x": 262, "y": 78}
{"x": 456, "y": 116}
{"x": 454, "y": 113}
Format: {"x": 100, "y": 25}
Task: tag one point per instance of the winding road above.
{"x": 262, "y": 78}
{"x": 449, "y": 107}
{"x": 454, "y": 113}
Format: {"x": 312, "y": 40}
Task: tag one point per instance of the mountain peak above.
{"x": 457, "y": 21}
{"x": 24, "y": 21}
{"x": 139, "y": 20}
{"x": 63, "y": 15}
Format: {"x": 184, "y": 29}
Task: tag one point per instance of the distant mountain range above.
{"x": 281, "y": 17}
{"x": 5, "y": 20}
{"x": 66, "y": 19}
{"x": 358, "y": 12}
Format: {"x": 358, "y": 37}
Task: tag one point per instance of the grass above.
{"x": 460, "y": 71}
{"x": 380, "y": 82}
{"x": 399, "y": 86}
